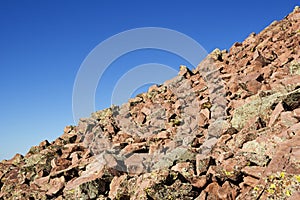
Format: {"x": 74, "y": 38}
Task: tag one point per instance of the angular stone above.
{"x": 202, "y": 163}
{"x": 253, "y": 182}
{"x": 134, "y": 163}
{"x": 184, "y": 168}
{"x": 287, "y": 119}
{"x": 254, "y": 171}
{"x": 199, "y": 181}
{"x": 42, "y": 182}
{"x": 116, "y": 186}
{"x": 296, "y": 113}
{"x": 56, "y": 185}
{"x": 212, "y": 191}
{"x": 228, "y": 191}
{"x": 132, "y": 148}
{"x": 275, "y": 114}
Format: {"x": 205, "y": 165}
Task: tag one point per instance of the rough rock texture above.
{"x": 228, "y": 129}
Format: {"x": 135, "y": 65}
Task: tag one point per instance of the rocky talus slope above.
{"x": 229, "y": 129}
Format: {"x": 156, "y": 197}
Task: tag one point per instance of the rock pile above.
{"x": 229, "y": 129}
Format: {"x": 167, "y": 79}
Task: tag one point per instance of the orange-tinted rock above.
{"x": 275, "y": 114}
{"x": 199, "y": 181}
{"x": 287, "y": 119}
{"x": 254, "y": 171}
{"x": 56, "y": 185}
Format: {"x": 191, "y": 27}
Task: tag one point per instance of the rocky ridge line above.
{"x": 252, "y": 151}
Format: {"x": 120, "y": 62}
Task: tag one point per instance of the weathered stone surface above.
{"x": 275, "y": 114}
{"x": 56, "y": 185}
{"x": 202, "y": 163}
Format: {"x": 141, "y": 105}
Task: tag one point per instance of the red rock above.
{"x": 135, "y": 164}
{"x": 287, "y": 119}
{"x": 251, "y": 76}
{"x": 141, "y": 118}
{"x": 130, "y": 148}
{"x": 184, "y": 71}
{"x": 254, "y": 171}
{"x": 185, "y": 168}
{"x": 228, "y": 191}
{"x": 279, "y": 75}
{"x": 146, "y": 111}
{"x": 59, "y": 164}
{"x": 212, "y": 190}
{"x": 202, "y": 196}
{"x": 253, "y": 86}
{"x": 199, "y": 181}
{"x": 110, "y": 161}
{"x": 296, "y": 113}
{"x": 202, "y": 163}
{"x": 56, "y": 185}
{"x": 205, "y": 112}
{"x": 111, "y": 129}
{"x": 294, "y": 129}
{"x": 75, "y": 158}
{"x": 275, "y": 114}
{"x": 155, "y": 147}
{"x": 295, "y": 195}
{"x": 115, "y": 186}
{"x": 284, "y": 57}
{"x": 248, "y": 180}
{"x": 202, "y": 120}
{"x": 265, "y": 87}
{"x": 258, "y": 59}
{"x": 224, "y": 138}
{"x": 68, "y": 129}
{"x": 281, "y": 157}
{"x": 92, "y": 172}
{"x": 44, "y": 144}
{"x": 15, "y": 160}
{"x": 162, "y": 135}
{"x": 196, "y": 78}
{"x": 121, "y": 137}
{"x": 42, "y": 182}
{"x": 292, "y": 80}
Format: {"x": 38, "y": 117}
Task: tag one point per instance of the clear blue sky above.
{"x": 43, "y": 43}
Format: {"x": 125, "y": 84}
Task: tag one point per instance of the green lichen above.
{"x": 260, "y": 107}
{"x": 295, "y": 68}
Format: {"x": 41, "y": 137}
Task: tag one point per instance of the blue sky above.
{"x": 43, "y": 43}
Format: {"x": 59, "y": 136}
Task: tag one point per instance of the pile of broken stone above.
{"x": 229, "y": 129}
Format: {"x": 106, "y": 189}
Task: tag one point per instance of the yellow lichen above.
{"x": 297, "y": 177}
{"x": 228, "y": 173}
{"x": 206, "y": 105}
{"x": 271, "y": 191}
{"x": 272, "y": 186}
{"x": 288, "y": 193}
{"x": 282, "y": 175}
{"x": 256, "y": 188}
